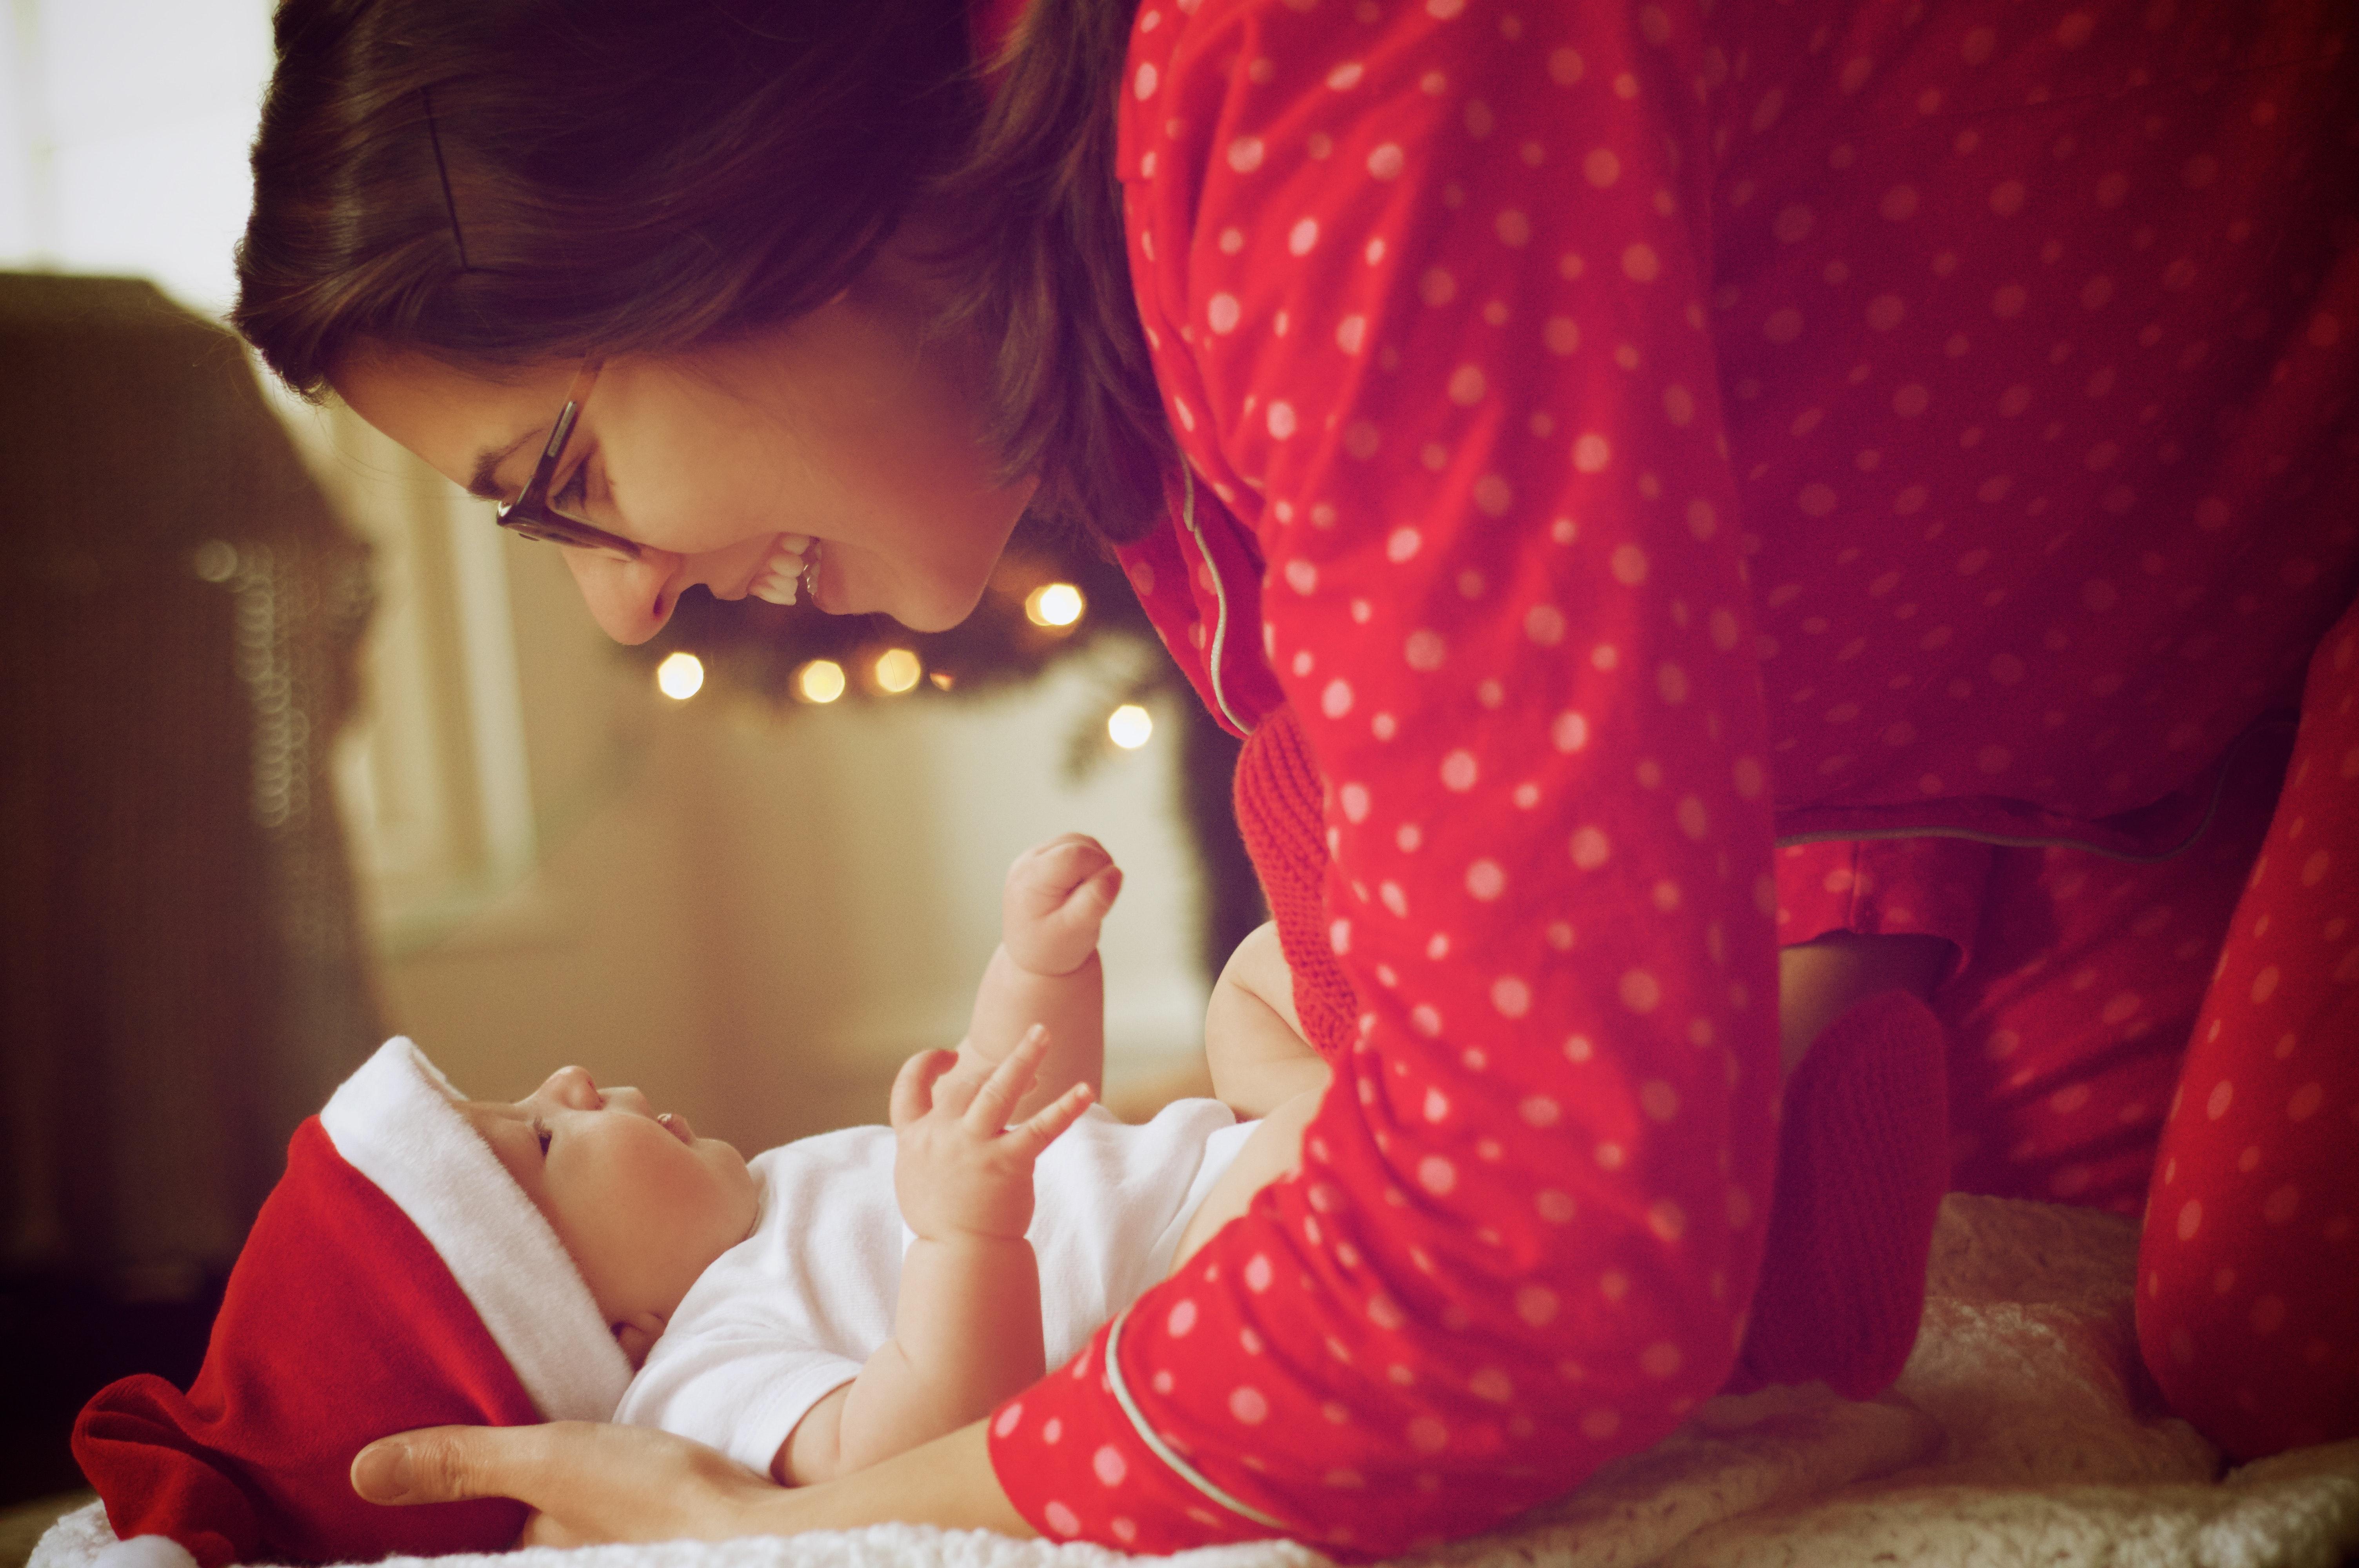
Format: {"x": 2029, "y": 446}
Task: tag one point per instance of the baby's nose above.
{"x": 573, "y": 1088}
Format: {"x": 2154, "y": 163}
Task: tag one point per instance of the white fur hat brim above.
{"x": 397, "y": 1121}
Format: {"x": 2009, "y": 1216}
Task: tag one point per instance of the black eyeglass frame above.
{"x": 530, "y": 513}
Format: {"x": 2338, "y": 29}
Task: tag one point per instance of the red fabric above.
{"x": 1889, "y": 887}
{"x": 1610, "y": 424}
{"x": 1084, "y": 1449}
{"x": 340, "y": 1325}
{"x": 1863, "y": 1161}
{"x": 2249, "y": 1267}
{"x": 1281, "y": 816}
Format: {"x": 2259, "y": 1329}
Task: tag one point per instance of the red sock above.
{"x": 1863, "y": 1161}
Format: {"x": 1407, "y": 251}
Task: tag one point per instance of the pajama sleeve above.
{"x": 1424, "y": 287}
{"x": 1885, "y": 887}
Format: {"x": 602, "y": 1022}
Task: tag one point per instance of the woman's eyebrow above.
{"x": 483, "y": 482}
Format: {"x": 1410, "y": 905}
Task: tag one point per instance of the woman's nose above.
{"x": 630, "y": 599}
{"x": 571, "y": 1087}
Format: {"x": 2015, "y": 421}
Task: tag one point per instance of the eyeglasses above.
{"x": 530, "y": 513}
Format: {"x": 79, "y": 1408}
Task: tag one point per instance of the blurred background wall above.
{"x": 753, "y": 911}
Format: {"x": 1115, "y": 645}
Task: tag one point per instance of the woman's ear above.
{"x": 637, "y": 1335}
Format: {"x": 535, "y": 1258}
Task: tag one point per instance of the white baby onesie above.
{"x": 792, "y": 1311}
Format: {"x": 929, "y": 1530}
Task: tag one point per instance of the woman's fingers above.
{"x": 587, "y": 1481}
{"x": 453, "y": 1463}
{"x": 998, "y": 1094}
{"x": 913, "y": 1087}
{"x": 546, "y": 1529}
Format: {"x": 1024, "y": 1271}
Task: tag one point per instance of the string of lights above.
{"x": 1050, "y": 598}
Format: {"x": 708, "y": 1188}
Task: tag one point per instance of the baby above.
{"x": 821, "y": 1343}
{"x": 430, "y": 1259}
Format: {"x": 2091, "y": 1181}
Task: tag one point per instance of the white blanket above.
{"x": 2024, "y": 1431}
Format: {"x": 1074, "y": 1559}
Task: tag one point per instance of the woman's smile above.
{"x": 791, "y": 570}
{"x": 723, "y": 465}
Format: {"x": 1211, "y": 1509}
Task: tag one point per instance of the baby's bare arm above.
{"x": 1046, "y": 969}
{"x": 1253, "y": 1038}
{"x": 966, "y": 1329}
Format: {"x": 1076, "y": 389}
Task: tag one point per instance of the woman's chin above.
{"x": 928, "y": 608}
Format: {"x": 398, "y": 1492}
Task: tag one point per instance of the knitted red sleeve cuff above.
{"x": 1281, "y": 815}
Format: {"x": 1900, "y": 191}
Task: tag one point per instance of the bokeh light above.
{"x": 897, "y": 669}
{"x": 1129, "y": 726}
{"x": 1054, "y": 605}
{"x": 215, "y": 560}
{"x": 680, "y": 676}
{"x": 821, "y": 680}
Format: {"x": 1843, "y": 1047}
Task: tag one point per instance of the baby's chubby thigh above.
{"x": 1272, "y": 1150}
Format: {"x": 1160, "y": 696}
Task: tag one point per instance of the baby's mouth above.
{"x": 791, "y": 570}
{"x": 676, "y": 1124}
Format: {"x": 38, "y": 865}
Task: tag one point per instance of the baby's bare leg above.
{"x": 1262, "y": 1066}
{"x": 1253, "y": 1039}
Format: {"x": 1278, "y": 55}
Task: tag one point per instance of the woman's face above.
{"x": 853, "y": 427}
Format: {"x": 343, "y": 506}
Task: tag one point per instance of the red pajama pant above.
{"x": 2178, "y": 1039}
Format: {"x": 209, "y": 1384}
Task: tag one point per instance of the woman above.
{"x": 1576, "y": 444}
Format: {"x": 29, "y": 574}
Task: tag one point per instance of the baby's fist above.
{"x": 1057, "y": 895}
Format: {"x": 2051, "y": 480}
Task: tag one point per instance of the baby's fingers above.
{"x": 1102, "y": 888}
{"x": 1007, "y": 1083}
{"x": 1049, "y": 1123}
{"x": 913, "y": 1087}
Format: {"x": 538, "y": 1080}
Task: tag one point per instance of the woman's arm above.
{"x": 1427, "y": 289}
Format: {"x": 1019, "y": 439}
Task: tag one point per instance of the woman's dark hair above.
{"x": 500, "y": 183}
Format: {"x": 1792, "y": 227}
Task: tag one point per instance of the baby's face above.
{"x": 641, "y": 1201}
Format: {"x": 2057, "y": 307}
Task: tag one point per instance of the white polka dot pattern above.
{"x": 2249, "y": 1269}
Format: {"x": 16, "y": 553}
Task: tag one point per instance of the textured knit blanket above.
{"x": 2024, "y": 1431}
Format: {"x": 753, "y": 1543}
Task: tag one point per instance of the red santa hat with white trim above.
{"x": 395, "y": 1277}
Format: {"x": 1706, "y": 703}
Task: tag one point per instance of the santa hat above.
{"x": 397, "y": 1277}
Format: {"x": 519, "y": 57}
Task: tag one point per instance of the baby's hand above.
{"x": 958, "y": 1167}
{"x": 1057, "y": 895}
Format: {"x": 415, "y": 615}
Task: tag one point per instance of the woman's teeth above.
{"x": 793, "y": 564}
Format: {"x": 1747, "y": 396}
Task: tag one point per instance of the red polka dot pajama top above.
{"x": 1619, "y": 435}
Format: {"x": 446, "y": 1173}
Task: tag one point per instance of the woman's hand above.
{"x": 589, "y": 1483}
{"x": 586, "y": 1482}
